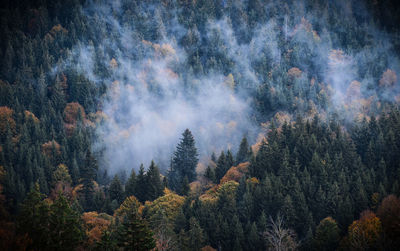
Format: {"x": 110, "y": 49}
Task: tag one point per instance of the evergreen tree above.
{"x": 210, "y": 174}
{"x": 220, "y": 170}
{"x": 184, "y": 162}
{"x": 141, "y": 185}
{"x": 195, "y": 235}
{"x": 153, "y": 181}
{"x": 243, "y": 153}
{"x": 88, "y": 174}
{"x": 65, "y": 227}
{"x": 134, "y": 234}
{"x": 115, "y": 190}
{"x": 185, "y": 188}
{"x": 130, "y": 184}
{"x": 33, "y": 218}
{"x": 326, "y": 235}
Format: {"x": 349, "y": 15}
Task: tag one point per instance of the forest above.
{"x": 199, "y": 125}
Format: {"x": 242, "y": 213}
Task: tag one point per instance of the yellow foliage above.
{"x": 364, "y": 232}
{"x": 235, "y": 173}
{"x": 253, "y": 180}
{"x": 195, "y": 188}
{"x": 129, "y": 204}
{"x": 281, "y": 117}
{"x": 169, "y": 204}
{"x": 95, "y": 224}
{"x": 113, "y": 63}
{"x": 29, "y": 114}
{"x": 76, "y": 191}
{"x": 61, "y": 174}
{"x": 71, "y": 112}
{"x": 229, "y": 81}
{"x": 56, "y": 29}
{"x": 257, "y": 145}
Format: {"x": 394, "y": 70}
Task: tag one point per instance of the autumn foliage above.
{"x": 72, "y": 112}
{"x": 235, "y": 173}
{"x": 30, "y": 115}
{"x": 95, "y": 224}
{"x": 389, "y": 213}
{"x": 129, "y": 204}
{"x": 51, "y": 147}
{"x": 294, "y": 72}
{"x": 6, "y": 120}
{"x": 365, "y": 232}
{"x": 388, "y": 79}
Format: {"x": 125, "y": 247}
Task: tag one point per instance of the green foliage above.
{"x": 115, "y": 190}
{"x": 50, "y": 225}
{"x": 327, "y": 235}
{"x": 153, "y": 180}
{"x": 184, "y": 162}
{"x": 244, "y": 153}
{"x": 305, "y": 169}
{"x": 131, "y": 184}
{"x": 134, "y": 234}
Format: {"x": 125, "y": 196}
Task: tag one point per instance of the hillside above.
{"x": 199, "y": 125}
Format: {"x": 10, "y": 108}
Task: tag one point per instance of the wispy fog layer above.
{"x": 154, "y": 94}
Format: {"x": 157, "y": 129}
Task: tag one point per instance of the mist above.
{"x": 154, "y": 93}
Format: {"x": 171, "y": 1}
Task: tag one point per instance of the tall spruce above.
{"x": 154, "y": 184}
{"x": 184, "y": 162}
{"x": 244, "y": 151}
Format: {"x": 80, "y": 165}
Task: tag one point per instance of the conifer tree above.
{"x": 184, "y": 162}
{"x": 134, "y": 233}
{"x": 153, "y": 181}
{"x": 243, "y": 153}
{"x": 141, "y": 185}
{"x": 130, "y": 184}
{"x": 115, "y": 190}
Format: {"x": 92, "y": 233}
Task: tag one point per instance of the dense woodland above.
{"x": 322, "y": 174}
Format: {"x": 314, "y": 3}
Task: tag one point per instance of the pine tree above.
{"x": 130, "y": 184}
{"x": 33, "y": 218}
{"x": 243, "y": 153}
{"x": 210, "y": 174}
{"x": 115, "y": 190}
{"x": 134, "y": 234}
{"x": 184, "y": 162}
{"x": 326, "y": 235}
{"x": 195, "y": 235}
{"x": 141, "y": 185}
{"x": 88, "y": 174}
{"x": 65, "y": 227}
{"x": 220, "y": 170}
{"x": 153, "y": 181}
{"x": 185, "y": 188}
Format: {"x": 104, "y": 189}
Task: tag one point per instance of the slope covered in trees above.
{"x": 188, "y": 125}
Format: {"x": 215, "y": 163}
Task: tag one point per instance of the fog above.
{"x": 154, "y": 94}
